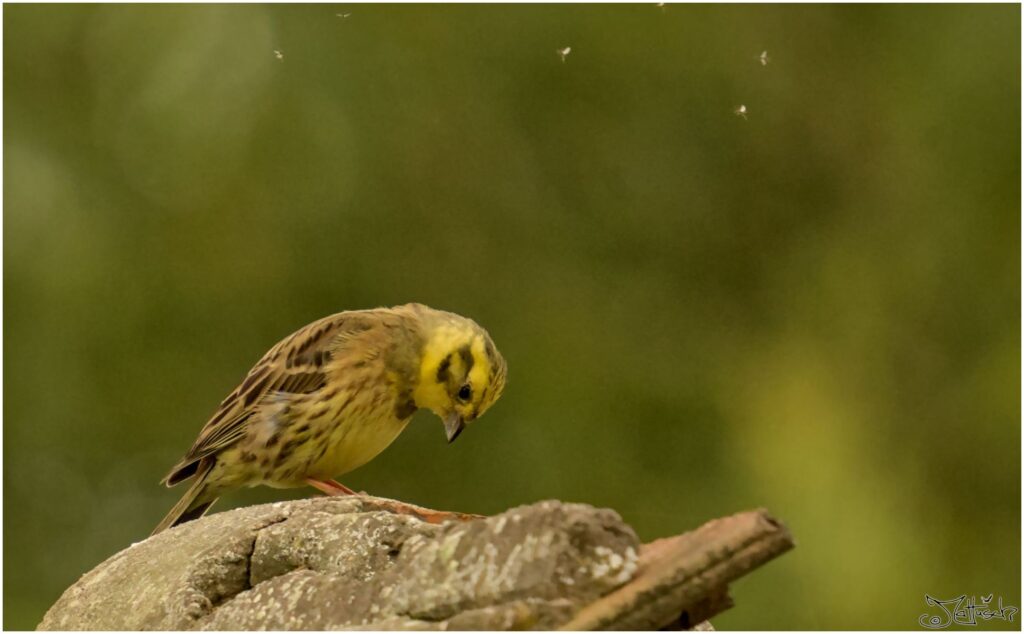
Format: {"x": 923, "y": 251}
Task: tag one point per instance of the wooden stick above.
{"x": 684, "y": 580}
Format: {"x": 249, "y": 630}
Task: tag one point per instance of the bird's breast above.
{"x": 356, "y": 437}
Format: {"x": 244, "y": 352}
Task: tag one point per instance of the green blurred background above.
{"x": 815, "y": 310}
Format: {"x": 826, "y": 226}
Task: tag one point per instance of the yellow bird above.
{"x": 331, "y": 396}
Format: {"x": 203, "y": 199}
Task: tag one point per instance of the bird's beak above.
{"x": 453, "y": 426}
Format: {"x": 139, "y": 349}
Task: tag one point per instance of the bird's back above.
{"x": 351, "y": 366}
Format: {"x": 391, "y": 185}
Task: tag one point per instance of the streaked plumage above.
{"x": 331, "y": 396}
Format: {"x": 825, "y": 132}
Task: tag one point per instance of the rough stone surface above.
{"x": 171, "y": 581}
{"x": 358, "y": 563}
{"x": 341, "y": 563}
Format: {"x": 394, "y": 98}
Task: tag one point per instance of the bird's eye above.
{"x": 465, "y": 392}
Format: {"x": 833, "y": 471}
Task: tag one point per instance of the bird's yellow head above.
{"x": 461, "y": 372}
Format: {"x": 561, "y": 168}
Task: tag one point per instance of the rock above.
{"x": 367, "y": 563}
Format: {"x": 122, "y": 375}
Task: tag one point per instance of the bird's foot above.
{"x": 427, "y": 515}
{"x": 330, "y": 487}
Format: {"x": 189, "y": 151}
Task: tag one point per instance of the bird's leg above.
{"x": 333, "y": 488}
{"x": 341, "y": 487}
{"x": 427, "y": 515}
{"x": 330, "y": 487}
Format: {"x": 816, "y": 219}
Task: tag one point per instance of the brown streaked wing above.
{"x": 293, "y": 366}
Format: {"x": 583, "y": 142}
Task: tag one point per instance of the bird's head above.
{"x": 461, "y": 371}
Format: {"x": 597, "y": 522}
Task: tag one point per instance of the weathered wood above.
{"x": 689, "y": 573}
{"x": 361, "y": 562}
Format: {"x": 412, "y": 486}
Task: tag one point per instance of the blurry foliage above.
{"x": 816, "y": 309}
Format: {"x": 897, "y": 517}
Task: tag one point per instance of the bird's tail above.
{"x": 194, "y": 504}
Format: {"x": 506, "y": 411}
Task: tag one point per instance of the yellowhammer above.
{"x": 330, "y": 397}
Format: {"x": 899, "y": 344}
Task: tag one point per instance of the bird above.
{"x": 331, "y": 396}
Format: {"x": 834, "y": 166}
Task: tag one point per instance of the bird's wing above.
{"x": 293, "y": 366}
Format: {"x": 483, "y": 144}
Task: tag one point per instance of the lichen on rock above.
{"x": 367, "y": 563}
